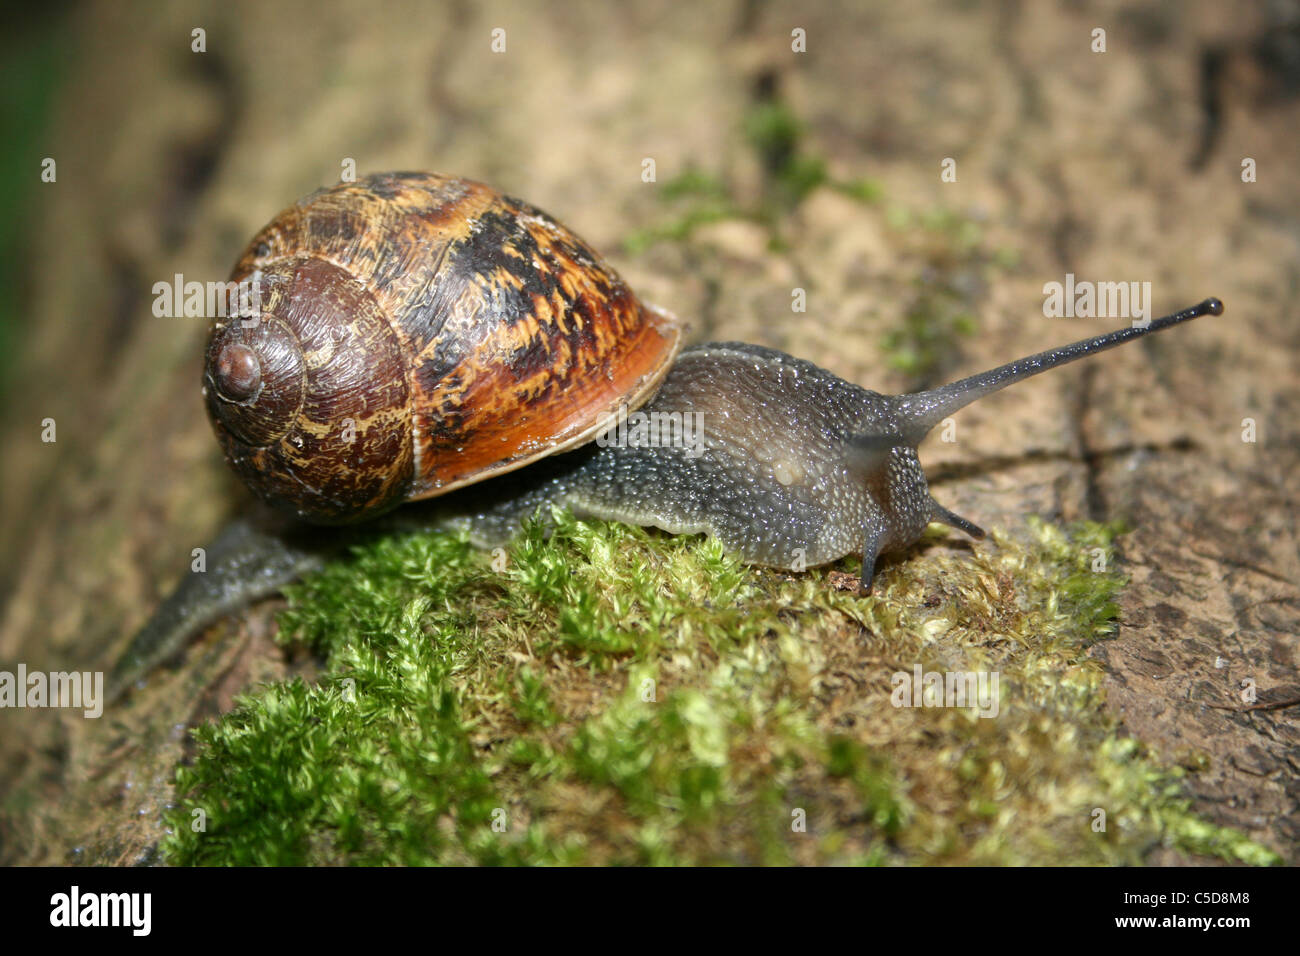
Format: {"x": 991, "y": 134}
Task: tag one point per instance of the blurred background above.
{"x": 793, "y": 146}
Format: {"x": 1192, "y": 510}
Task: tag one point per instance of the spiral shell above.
{"x": 416, "y": 333}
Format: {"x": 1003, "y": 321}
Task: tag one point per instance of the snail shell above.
{"x": 417, "y": 333}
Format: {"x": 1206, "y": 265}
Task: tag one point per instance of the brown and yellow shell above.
{"x": 416, "y": 333}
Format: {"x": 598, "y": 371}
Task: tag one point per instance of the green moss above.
{"x": 698, "y": 197}
{"x": 619, "y": 696}
{"x": 941, "y": 311}
{"x": 695, "y": 183}
{"x": 935, "y": 318}
{"x": 863, "y": 190}
{"x": 681, "y": 227}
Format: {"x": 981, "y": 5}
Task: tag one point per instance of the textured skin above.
{"x": 798, "y": 466}
{"x": 463, "y": 332}
{"x": 782, "y": 480}
{"x": 251, "y": 558}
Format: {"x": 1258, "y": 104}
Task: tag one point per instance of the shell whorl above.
{"x": 311, "y": 399}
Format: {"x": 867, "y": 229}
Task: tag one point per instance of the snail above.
{"x": 419, "y": 333}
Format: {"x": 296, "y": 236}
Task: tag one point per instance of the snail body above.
{"x": 795, "y": 467}
{"x": 420, "y": 333}
{"x": 781, "y": 472}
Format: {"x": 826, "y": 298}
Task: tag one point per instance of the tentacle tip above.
{"x": 868, "y": 576}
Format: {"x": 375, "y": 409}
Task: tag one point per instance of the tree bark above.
{"x": 1115, "y": 166}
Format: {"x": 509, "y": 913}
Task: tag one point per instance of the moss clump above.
{"x": 775, "y": 134}
{"x": 934, "y": 320}
{"x": 939, "y": 313}
{"x": 617, "y": 696}
{"x": 698, "y": 198}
